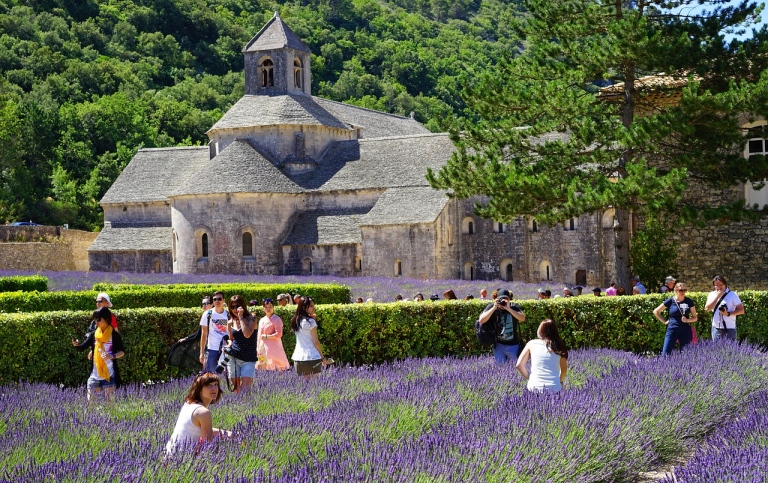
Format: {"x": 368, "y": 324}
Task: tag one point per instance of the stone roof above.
{"x": 264, "y": 110}
{"x": 374, "y": 124}
{"x": 655, "y": 91}
{"x": 145, "y": 178}
{"x": 239, "y": 168}
{"x": 405, "y": 206}
{"x": 275, "y": 35}
{"x": 326, "y": 227}
{"x": 133, "y": 239}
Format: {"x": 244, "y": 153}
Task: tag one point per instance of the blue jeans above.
{"x": 211, "y": 360}
{"x": 505, "y": 353}
{"x": 716, "y": 335}
{"x": 681, "y": 333}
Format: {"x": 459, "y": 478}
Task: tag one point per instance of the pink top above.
{"x": 610, "y": 291}
{"x": 274, "y": 354}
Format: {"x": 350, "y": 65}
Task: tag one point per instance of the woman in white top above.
{"x": 308, "y": 356}
{"x": 195, "y": 423}
{"x": 549, "y": 359}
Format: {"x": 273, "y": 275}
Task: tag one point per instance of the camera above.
{"x": 503, "y": 302}
{"x": 723, "y": 307}
{"x": 224, "y": 361}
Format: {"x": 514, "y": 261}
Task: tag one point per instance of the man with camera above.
{"x": 213, "y": 326}
{"x": 725, "y": 306}
{"x": 506, "y": 316}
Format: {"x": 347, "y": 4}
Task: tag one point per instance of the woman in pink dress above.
{"x": 271, "y": 353}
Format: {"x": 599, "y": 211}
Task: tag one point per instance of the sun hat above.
{"x": 105, "y": 297}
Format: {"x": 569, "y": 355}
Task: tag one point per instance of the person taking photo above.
{"x": 506, "y": 316}
{"x": 725, "y": 306}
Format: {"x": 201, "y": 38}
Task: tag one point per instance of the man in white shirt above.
{"x": 725, "y": 305}
{"x": 213, "y": 326}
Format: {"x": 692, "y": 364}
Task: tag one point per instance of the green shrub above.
{"x": 352, "y": 333}
{"x": 163, "y": 296}
{"x": 24, "y": 283}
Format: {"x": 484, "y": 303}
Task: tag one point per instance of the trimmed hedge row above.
{"x": 38, "y": 345}
{"x": 25, "y": 283}
{"x": 165, "y": 296}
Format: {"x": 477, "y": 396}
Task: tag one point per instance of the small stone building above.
{"x": 295, "y": 184}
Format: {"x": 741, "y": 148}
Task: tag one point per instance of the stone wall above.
{"x": 336, "y": 260}
{"x": 62, "y": 250}
{"x": 133, "y": 261}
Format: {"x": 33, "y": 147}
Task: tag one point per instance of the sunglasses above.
{"x": 682, "y": 290}
{"x": 217, "y": 299}
{"x": 206, "y": 302}
{"x": 266, "y": 301}
{"x": 98, "y": 301}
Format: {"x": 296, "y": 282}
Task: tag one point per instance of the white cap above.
{"x": 104, "y": 296}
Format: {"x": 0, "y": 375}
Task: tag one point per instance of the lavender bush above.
{"x": 437, "y": 420}
{"x": 736, "y": 452}
{"x": 380, "y": 289}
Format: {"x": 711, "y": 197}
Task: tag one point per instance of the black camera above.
{"x": 224, "y": 361}
{"x": 723, "y": 307}
{"x": 503, "y": 302}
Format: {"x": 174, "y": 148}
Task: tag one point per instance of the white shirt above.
{"x": 545, "y": 368}
{"x": 217, "y": 329}
{"x": 185, "y": 429}
{"x": 305, "y": 345}
{"x": 731, "y": 300}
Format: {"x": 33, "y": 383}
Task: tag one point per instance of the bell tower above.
{"x": 277, "y": 62}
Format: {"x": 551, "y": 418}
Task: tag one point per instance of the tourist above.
{"x": 579, "y": 290}
{"x": 725, "y": 305}
{"x": 669, "y": 285}
{"x": 241, "y": 329}
{"x": 567, "y": 292}
{"x": 611, "y": 291}
{"x": 270, "y": 350}
{"x": 449, "y": 295}
{"x": 434, "y": 297}
{"x": 549, "y": 359}
{"x": 682, "y": 313}
{"x": 207, "y": 305}
{"x": 596, "y": 291}
{"x": 308, "y": 356}
{"x": 506, "y": 316}
{"x": 102, "y": 300}
{"x": 483, "y": 294}
{"x": 620, "y": 291}
{"x": 419, "y": 297}
{"x": 282, "y": 299}
{"x": 195, "y": 423}
{"x": 106, "y": 345}
{"x": 637, "y": 284}
{"x": 359, "y": 300}
{"x": 296, "y": 299}
{"x": 469, "y": 297}
{"x": 398, "y": 298}
{"x": 213, "y": 326}
{"x": 494, "y": 294}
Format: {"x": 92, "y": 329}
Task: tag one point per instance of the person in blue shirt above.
{"x": 682, "y": 313}
{"x": 638, "y": 285}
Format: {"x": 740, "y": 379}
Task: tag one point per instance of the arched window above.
{"x": 358, "y": 264}
{"x": 545, "y": 270}
{"x": 469, "y": 271}
{"x": 247, "y": 244}
{"x": 510, "y": 272}
{"x": 499, "y": 227}
{"x": 533, "y": 225}
{"x": 571, "y": 225}
{"x": 156, "y": 266}
{"x": 306, "y": 266}
{"x": 267, "y": 73}
{"x": 204, "y": 245}
{"x": 297, "y": 73}
{"x": 468, "y": 225}
{"x": 609, "y": 218}
{"x": 507, "y": 269}
{"x": 398, "y": 268}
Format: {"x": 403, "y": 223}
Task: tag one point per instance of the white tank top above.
{"x": 185, "y": 429}
{"x": 545, "y": 368}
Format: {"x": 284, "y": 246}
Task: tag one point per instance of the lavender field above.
{"x": 429, "y": 420}
{"x": 380, "y": 289}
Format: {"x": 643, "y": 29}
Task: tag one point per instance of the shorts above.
{"x": 305, "y": 368}
{"x": 96, "y": 383}
{"x": 238, "y": 368}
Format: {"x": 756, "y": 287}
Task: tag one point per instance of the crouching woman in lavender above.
{"x": 682, "y": 313}
{"x": 107, "y": 346}
{"x": 195, "y": 422}
{"x": 549, "y": 359}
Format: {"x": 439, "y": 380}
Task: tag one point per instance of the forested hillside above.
{"x": 84, "y": 84}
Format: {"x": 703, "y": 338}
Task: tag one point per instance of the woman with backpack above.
{"x": 308, "y": 356}
{"x": 549, "y": 359}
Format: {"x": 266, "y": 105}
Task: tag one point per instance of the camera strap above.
{"x": 717, "y": 308}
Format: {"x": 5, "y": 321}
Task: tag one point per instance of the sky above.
{"x": 748, "y": 33}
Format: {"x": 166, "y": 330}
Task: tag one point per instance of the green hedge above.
{"x": 24, "y": 283}
{"x": 163, "y": 296}
{"x": 38, "y": 344}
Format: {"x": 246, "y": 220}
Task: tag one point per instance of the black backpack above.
{"x": 486, "y": 333}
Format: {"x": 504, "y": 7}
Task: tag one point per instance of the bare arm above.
{"x": 522, "y": 361}
{"x": 692, "y": 318}
{"x": 657, "y": 312}
{"x": 202, "y": 418}
{"x": 563, "y": 369}
{"x": 247, "y": 325}
{"x": 520, "y": 316}
{"x": 203, "y": 342}
{"x": 316, "y": 342}
{"x": 712, "y": 300}
{"x": 738, "y": 310}
{"x": 486, "y": 315}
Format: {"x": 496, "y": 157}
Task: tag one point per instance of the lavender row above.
{"x": 736, "y": 452}
{"x": 380, "y": 289}
{"x": 419, "y": 420}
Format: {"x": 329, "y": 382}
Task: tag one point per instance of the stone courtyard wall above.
{"x": 44, "y": 248}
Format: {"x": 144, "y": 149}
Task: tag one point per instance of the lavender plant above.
{"x": 445, "y": 420}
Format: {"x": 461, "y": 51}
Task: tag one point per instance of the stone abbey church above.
{"x": 292, "y": 184}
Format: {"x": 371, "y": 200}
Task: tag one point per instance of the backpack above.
{"x": 486, "y": 333}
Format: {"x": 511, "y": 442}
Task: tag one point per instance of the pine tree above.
{"x": 548, "y": 142}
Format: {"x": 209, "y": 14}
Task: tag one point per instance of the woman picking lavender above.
{"x": 308, "y": 355}
{"x": 549, "y": 359}
{"x": 107, "y": 346}
{"x": 682, "y": 313}
{"x": 195, "y": 423}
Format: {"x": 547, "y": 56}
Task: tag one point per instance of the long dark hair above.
{"x": 548, "y": 333}
{"x": 202, "y": 380}
{"x": 301, "y": 313}
{"x": 238, "y": 301}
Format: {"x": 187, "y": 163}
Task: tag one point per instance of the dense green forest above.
{"x": 84, "y": 83}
